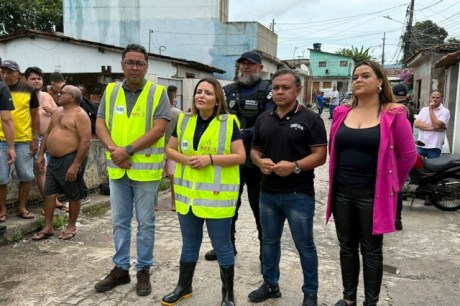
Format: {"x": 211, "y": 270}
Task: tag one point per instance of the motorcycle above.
{"x": 437, "y": 180}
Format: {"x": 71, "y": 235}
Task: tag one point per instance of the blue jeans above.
{"x": 24, "y": 163}
{"x": 429, "y": 153}
{"x": 320, "y": 108}
{"x": 191, "y": 228}
{"x": 298, "y": 209}
{"x": 125, "y": 195}
{"x": 331, "y": 110}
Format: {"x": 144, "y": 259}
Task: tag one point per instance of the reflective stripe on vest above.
{"x": 205, "y": 197}
{"x": 146, "y": 164}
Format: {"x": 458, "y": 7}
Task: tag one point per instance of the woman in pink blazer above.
{"x": 371, "y": 153}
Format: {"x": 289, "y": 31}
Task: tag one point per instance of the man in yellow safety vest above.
{"x": 131, "y": 122}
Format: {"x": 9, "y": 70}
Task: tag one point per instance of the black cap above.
{"x": 251, "y": 56}
{"x": 400, "y": 90}
{"x": 12, "y": 65}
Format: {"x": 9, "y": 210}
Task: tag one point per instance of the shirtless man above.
{"x": 45, "y": 111}
{"x": 67, "y": 142}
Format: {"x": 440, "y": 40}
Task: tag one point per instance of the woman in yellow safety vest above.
{"x": 208, "y": 149}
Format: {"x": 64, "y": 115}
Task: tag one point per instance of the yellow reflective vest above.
{"x": 147, "y": 164}
{"x": 211, "y": 192}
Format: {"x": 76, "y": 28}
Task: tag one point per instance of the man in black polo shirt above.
{"x": 288, "y": 144}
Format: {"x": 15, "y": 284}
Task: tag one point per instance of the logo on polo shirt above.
{"x": 296, "y": 126}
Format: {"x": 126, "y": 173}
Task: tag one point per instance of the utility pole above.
{"x": 383, "y": 49}
{"x": 408, "y": 42}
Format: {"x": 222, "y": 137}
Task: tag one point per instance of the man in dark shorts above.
{"x": 67, "y": 142}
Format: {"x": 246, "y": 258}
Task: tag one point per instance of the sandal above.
{"x": 41, "y": 235}
{"x": 26, "y": 215}
{"x": 67, "y": 235}
{"x": 3, "y": 218}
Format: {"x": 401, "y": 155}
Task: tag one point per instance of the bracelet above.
{"x": 212, "y": 162}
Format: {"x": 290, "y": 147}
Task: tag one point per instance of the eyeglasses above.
{"x": 131, "y": 64}
{"x": 61, "y": 93}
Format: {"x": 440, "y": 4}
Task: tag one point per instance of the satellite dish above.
{"x": 303, "y": 67}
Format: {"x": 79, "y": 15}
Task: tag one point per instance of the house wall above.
{"x": 332, "y": 74}
{"x": 55, "y": 55}
{"x": 193, "y": 30}
{"x": 451, "y": 101}
{"x": 235, "y": 38}
{"x": 88, "y": 66}
{"x": 422, "y": 81}
{"x": 333, "y": 67}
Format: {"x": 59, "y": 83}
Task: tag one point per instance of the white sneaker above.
{"x": 85, "y": 201}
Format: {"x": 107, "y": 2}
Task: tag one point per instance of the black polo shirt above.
{"x": 289, "y": 138}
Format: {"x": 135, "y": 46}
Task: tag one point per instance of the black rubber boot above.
{"x": 184, "y": 285}
{"x": 227, "y": 276}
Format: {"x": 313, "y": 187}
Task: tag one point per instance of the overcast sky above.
{"x": 344, "y": 23}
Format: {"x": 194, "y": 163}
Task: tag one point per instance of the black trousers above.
{"x": 353, "y": 214}
{"x": 251, "y": 177}
{"x": 399, "y": 207}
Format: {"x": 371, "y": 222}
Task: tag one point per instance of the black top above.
{"x": 289, "y": 138}
{"x": 6, "y": 102}
{"x": 202, "y": 125}
{"x": 357, "y": 152}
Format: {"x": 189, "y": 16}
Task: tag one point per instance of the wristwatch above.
{"x": 297, "y": 169}
{"x": 130, "y": 150}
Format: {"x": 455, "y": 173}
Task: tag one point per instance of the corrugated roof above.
{"x": 62, "y": 37}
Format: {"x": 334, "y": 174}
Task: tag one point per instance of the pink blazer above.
{"x": 397, "y": 156}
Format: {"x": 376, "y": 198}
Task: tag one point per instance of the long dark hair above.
{"x": 221, "y": 107}
{"x": 386, "y": 94}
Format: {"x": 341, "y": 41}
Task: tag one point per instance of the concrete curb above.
{"x": 18, "y": 228}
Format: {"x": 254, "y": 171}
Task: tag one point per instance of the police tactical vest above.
{"x": 212, "y": 191}
{"x": 147, "y": 164}
{"x": 248, "y": 108}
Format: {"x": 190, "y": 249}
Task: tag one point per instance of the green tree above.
{"x": 422, "y": 35}
{"x": 358, "y": 55}
{"x": 43, "y": 15}
{"x": 453, "y": 41}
